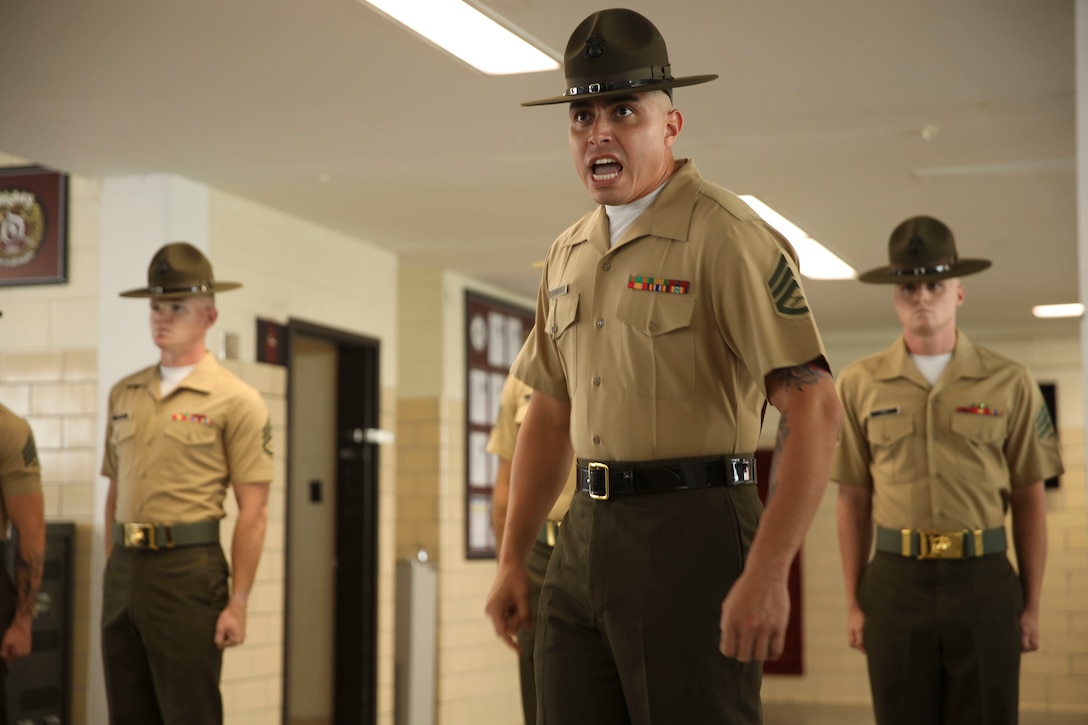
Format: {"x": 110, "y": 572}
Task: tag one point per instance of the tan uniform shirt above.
{"x": 513, "y": 402}
{"x": 661, "y": 343}
{"x": 943, "y": 457}
{"x": 173, "y": 458}
{"x": 20, "y": 471}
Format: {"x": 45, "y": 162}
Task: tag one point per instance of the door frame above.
{"x": 356, "y": 538}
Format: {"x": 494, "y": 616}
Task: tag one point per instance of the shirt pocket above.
{"x": 658, "y": 345}
{"x": 192, "y": 434}
{"x": 123, "y": 434}
{"x": 980, "y": 447}
{"x": 893, "y": 460}
{"x": 562, "y": 314}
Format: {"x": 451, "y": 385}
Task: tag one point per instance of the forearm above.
{"x": 540, "y": 468}
{"x": 500, "y": 498}
{"x": 110, "y": 516}
{"x": 799, "y": 474}
{"x": 1030, "y": 539}
{"x": 249, "y": 532}
{"x": 28, "y": 568}
{"x": 854, "y": 504}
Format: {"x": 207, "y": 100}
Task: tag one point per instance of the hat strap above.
{"x": 655, "y": 76}
{"x": 196, "y": 289}
{"x": 920, "y": 271}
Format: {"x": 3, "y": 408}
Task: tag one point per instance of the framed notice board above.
{"x": 494, "y": 333}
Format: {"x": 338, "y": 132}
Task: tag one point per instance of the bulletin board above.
{"x": 494, "y": 333}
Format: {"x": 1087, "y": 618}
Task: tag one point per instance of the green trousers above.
{"x": 537, "y": 567}
{"x": 159, "y": 610}
{"x": 942, "y": 639}
{"x": 629, "y": 620}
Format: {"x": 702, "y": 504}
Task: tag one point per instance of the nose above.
{"x": 601, "y": 132}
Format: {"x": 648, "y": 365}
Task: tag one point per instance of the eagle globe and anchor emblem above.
{"x": 22, "y": 227}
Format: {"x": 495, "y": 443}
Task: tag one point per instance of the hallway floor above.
{"x": 807, "y": 714}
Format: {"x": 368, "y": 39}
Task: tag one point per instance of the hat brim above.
{"x": 174, "y": 294}
{"x": 886, "y": 275}
{"x": 674, "y": 83}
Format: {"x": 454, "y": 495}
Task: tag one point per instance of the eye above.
{"x": 579, "y": 116}
{"x": 624, "y": 111}
{"x": 909, "y": 288}
{"x": 935, "y": 287}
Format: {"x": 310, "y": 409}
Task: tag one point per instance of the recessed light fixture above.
{"x": 817, "y": 261}
{"x": 469, "y": 34}
{"x": 1073, "y": 309}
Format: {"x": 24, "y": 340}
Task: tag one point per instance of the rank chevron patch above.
{"x": 1044, "y": 426}
{"x": 30, "y": 453}
{"x": 785, "y": 291}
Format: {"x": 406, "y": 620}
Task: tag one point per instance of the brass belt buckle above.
{"x": 603, "y": 468}
{"x": 552, "y": 535}
{"x": 940, "y": 545}
{"x": 140, "y": 536}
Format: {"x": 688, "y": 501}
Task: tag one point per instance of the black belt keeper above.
{"x": 601, "y": 480}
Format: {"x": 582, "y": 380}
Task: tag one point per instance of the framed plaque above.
{"x": 33, "y": 226}
{"x": 494, "y": 334}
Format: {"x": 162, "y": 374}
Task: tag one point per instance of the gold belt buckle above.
{"x": 595, "y": 466}
{"x": 552, "y": 528}
{"x": 940, "y": 545}
{"x": 140, "y": 536}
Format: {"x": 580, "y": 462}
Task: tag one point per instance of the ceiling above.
{"x": 846, "y": 116}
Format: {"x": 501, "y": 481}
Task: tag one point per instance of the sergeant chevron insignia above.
{"x": 785, "y": 291}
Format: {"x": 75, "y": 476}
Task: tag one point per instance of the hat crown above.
{"x": 182, "y": 268}
{"x": 615, "y": 44}
{"x": 922, "y": 249}
{"x": 919, "y": 242}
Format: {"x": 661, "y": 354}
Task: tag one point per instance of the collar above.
{"x": 669, "y": 216}
{"x": 201, "y": 378}
{"x": 965, "y": 363}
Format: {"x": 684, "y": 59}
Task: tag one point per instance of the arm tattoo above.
{"x": 28, "y": 577}
{"x": 798, "y": 377}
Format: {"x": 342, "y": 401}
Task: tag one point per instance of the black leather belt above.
{"x": 923, "y": 544}
{"x": 549, "y": 532}
{"x": 602, "y": 480}
{"x": 164, "y": 536}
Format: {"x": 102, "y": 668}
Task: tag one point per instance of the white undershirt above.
{"x": 931, "y": 366}
{"x": 171, "y": 377}
{"x": 621, "y": 217}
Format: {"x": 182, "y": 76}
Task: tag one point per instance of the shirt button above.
{"x": 597, "y": 381}
{"x": 652, "y": 326}
{"x": 606, "y": 266}
{"x": 600, "y": 323}
{"x": 554, "y": 329}
{"x": 596, "y": 440}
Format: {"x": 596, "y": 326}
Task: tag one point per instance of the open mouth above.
{"x": 606, "y": 168}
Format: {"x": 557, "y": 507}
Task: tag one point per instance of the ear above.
{"x": 961, "y": 293}
{"x": 674, "y": 121}
{"x": 213, "y": 315}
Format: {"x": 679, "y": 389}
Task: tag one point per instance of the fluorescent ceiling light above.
{"x": 1074, "y": 309}
{"x": 817, "y": 262}
{"x": 468, "y": 34}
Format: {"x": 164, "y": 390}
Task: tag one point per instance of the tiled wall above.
{"x": 252, "y": 682}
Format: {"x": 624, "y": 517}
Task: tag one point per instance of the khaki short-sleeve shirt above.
{"x": 943, "y": 457}
{"x": 173, "y": 458}
{"x": 20, "y": 471}
{"x": 513, "y": 402}
{"x": 661, "y": 343}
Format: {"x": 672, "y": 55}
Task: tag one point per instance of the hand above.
{"x": 754, "y": 618}
{"x": 17, "y": 640}
{"x": 508, "y": 604}
{"x": 230, "y": 628}
{"x": 855, "y": 628}
{"x": 1029, "y": 631}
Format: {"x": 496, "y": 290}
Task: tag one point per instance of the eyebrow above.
{"x": 612, "y": 101}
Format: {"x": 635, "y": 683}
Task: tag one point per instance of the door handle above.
{"x": 375, "y": 436}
